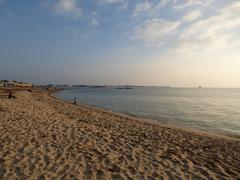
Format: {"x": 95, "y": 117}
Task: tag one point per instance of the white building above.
{"x": 5, "y": 83}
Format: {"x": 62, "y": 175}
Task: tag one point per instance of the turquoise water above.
{"x": 215, "y": 110}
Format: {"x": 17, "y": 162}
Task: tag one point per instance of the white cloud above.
{"x": 141, "y": 7}
{"x": 192, "y": 15}
{"x": 215, "y": 32}
{"x": 191, "y": 34}
{"x": 189, "y": 3}
{"x": 111, "y": 1}
{"x": 68, "y": 8}
{"x": 232, "y": 9}
{"x": 157, "y": 8}
{"x": 163, "y": 3}
{"x": 124, "y": 6}
{"x": 94, "y": 22}
{"x": 155, "y": 30}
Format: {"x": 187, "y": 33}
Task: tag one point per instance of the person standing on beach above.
{"x": 10, "y": 95}
{"x": 74, "y": 100}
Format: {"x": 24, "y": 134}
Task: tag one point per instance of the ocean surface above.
{"x": 214, "y": 110}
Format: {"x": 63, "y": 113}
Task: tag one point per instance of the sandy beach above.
{"x": 42, "y": 137}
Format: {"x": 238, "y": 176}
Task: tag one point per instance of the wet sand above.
{"x": 42, "y": 137}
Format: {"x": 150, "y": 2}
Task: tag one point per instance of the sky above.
{"x": 183, "y": 43}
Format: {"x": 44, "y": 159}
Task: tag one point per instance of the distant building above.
{"x": 10, "y": 84}
{"x": 22, "y": 84}
{"x": 3, "y": 82}
{"x": 6, "y": 83}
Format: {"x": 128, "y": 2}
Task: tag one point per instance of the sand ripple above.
{"x": 45, "y": 138}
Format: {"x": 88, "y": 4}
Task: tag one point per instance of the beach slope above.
{"x": 42, "y": 138}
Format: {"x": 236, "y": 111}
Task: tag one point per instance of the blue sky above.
{"x": 140, "y": 42}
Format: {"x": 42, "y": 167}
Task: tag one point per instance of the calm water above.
{"x": 216, "y": 110}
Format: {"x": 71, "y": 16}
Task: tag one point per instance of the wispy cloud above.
{"x": 94, "y": 19}
{"x": 110, "y": 1}
{"x": 141, "y": 7}
{"x": 94, "y": 22}
{"x": 178, "y": 5}
{"x": 155, "y": 30}
{"x": 193, "y": 32}
{"x": 192, "y": 15}
{"x": 185, "y": 24}
{"x": 70, "y": 8}
{"x": 163, "y": 3}
{"x": 122, "y": 4}
{"x": 217, "y": 31}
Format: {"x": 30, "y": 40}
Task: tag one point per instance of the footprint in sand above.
{"x": 2, "y": 172}
{"x": 88, "y": 172}
{"x": 117, "y": 177}
{"x": 99, "y": 175}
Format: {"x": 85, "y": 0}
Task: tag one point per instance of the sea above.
{"x": 214, "y": 110}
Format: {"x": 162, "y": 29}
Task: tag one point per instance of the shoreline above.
{"x": 43, "y": 137}
{"x": 219, "y": 133}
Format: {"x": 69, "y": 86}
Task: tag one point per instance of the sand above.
{"x": 45, "y": 138}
